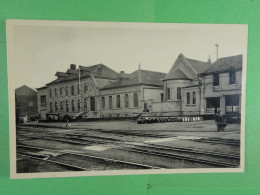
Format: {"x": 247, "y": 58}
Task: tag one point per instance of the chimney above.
{"x": 73, "y": 66}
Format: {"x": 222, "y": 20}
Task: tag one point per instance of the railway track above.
{"x": 152, "y": 149}
{"x": 77, "y": 154}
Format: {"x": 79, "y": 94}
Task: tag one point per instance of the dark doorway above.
{"x": 145, "y": 108}
{"x": 213, "y": 105}
{"x": 92, "y": 104}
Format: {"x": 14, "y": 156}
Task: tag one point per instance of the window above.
{"x": 78, "y": 105}
{"x": 61, "y": 91}
{"x": 103, "y": 103}
{"x": 56, "y": 106}
{"x": 85, "y": 104}
{"x": 194, "y": 97}
{"x": 72, "y": 106}
{"x": 110, "y": 102}
{"x": 85, "y": 88}
{"x": 61, "y": 106}
{"x": 232, "y": 77}
{"x": 188, "y": 98}
{"x": 118, "y": 101}
{"x": 178, "y": 93}
{"x": 135, "y": 100}
{"x": 162, "y": 97}
{"x": 216, "y": 79}
{"x": 168, "y": 95}
{"x": 126, "y": 101}
{"x": 50, "y": 93}
{"x": 72, "y": 90}
{"x": 67, "y": 106}
{"x": 43, "y": 100}
{"x": 55, "y": 92}
{"x": 67, "y": 91}
{"x": 51, "y": 108}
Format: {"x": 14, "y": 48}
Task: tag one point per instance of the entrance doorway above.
{"x": 213, "y": 105}
{"x": 92, "y": 104}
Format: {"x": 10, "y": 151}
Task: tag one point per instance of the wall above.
{"x": 42, "y": 110}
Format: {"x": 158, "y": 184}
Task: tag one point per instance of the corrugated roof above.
{"x": 139, "y": 77}
{"x": 225, "y": 64}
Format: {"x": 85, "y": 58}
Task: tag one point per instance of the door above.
{"x": 92, "y": 104}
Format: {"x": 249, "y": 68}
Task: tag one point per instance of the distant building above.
{"x": 25, "y": 102}
{"x": 191, "y": 87}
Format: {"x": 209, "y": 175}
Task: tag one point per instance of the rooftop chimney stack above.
{"x": 73, "y": 66}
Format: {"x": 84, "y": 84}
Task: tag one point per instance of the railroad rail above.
{"x": 89, "y": 156}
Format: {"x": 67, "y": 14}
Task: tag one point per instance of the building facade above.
{"x": 25, "y": 102}
{"x": 191, "y": 87}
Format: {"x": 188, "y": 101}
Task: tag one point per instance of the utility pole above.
{"x": 217, "y": 50}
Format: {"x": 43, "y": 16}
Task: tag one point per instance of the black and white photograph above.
{"x": 122, "y": 98}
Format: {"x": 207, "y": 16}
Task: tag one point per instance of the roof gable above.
{"x": 25, "y": 91}
{"x": 192, "y": 67}
{"x": 178, "y": 74}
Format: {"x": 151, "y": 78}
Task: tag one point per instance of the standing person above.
{"x": 67, "y": 121}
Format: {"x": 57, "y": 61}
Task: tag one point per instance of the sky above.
{"x": 41, "y": 48}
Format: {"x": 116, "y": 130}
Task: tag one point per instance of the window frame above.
{"x": 188, "y": 98}
{"x": 216, "y": 79}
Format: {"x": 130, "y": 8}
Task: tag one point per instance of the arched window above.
{"x": 72, "y": 90}
{"x": 188, "y": 98}
{"x": 194, "y": 97}
{"x": 178, "y": 93}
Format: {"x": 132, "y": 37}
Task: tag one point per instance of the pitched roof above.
{"x": 25, "y": 91}
{"x": 199, "y": 66}
{"x": 98, "y": 70}
{"x": 196, "y": 67}
{"x": 225, "y": 64}
{"x": 144, "y": 77}
{"x": 178, "y": 75}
